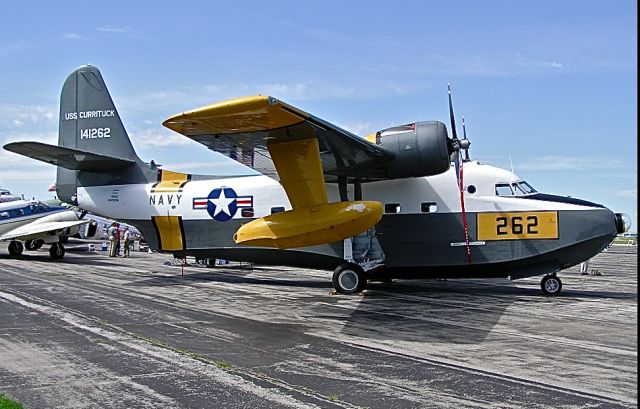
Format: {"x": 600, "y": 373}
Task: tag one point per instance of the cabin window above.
{"x": 428, "y": 207}
{"x": 247, "y": 212}
{"x": 392, "y": 208}
{"x": 471, "y": 189}
{"x": 503, "y": 189}
{"x": 277, "y": 209}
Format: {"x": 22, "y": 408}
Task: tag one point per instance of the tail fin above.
{"x": 89, "y": 122}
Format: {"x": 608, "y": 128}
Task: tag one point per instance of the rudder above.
{"x": 89, "y": 122}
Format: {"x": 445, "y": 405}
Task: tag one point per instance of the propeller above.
{"x": 464, "y": 143}
{"x": 626, "y": 220}
{"x": 455, "y": 145}
{"x": 453, "y": 142}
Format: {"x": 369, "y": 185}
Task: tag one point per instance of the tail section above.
{"x": 93, "y": 146}
{"x": 89, "y": 120}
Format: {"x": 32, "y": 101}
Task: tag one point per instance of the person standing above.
{"x": 127, "y": 243}
{"x": 111, "y": 232}
{"x": 584, "y": 268}
{"x": 118, "y": 236}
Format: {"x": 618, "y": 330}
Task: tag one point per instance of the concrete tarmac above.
{"x": 91, "y": 331}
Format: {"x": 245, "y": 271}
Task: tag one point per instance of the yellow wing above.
{"x": 300, "y": 150}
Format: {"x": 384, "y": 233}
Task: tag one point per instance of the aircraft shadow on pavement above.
{"x": 453, "y": 311}
{"x": 430, "y": 311}
{"x": 230, "y": 277}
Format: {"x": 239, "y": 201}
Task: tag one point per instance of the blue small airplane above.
{"x": 37, "y": 223}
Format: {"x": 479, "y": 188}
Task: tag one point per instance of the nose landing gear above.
{"x": 551, "y": 285}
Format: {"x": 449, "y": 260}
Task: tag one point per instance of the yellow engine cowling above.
{"x": 310, "y": 226}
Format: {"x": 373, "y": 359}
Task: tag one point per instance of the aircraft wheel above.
{"x": 37, "y": 244}
{"x": 56, "y": 251}
{"x": 349, "y": 278}
{"x": 551, "y": 285}
{"x": 15, "y": 248}
{"x": 30, "y": 245}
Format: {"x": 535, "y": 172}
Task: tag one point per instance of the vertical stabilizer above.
{"x": 89, "y": 122}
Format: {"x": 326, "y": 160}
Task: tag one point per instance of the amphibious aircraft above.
{"x": 422, "y": 217}
{"x": 37, "y": 223}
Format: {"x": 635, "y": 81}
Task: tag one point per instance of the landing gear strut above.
{"x": 15, "y": 248}
{"x": 551, "y": 285}
{"x": 349, "y": 278}
{"x": 33, "y": 244}
{"x": 56, "y": 251}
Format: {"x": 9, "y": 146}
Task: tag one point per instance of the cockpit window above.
{"x": 527, "y": 188}
{"x": 514, "y": 189}
{"x": 522, "y": 188}
{"x": 504, "y": 189}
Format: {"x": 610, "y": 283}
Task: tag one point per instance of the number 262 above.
{"x": 516, "y": 225}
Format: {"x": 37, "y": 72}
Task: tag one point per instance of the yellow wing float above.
{"x": 303, "y": 151}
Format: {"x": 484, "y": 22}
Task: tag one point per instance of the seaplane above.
{"x": 403, "y": 202}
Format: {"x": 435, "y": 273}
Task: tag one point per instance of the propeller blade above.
{"x": 452, "y": 118}
{"x": 467, "y": 143}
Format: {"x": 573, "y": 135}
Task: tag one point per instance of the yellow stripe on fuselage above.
{"x": 517, "y": 225}
{"x": 170, "y": 182}
{"x": 170, "y": 233}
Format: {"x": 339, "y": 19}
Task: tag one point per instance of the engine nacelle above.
{"x": 91, "y": 230}
{"x": 420, "y": 149}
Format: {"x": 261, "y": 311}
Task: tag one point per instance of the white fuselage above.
{"x": 139, "y": 202}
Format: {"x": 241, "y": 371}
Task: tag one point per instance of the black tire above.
{"x": 30, "y": 245}
{"x": 551, "y": 285}
{"x": 37, "y": 244}
{"x": 56, "y": 251}
{"x": 349, "y": 278}
{"x": 15, "y": 248}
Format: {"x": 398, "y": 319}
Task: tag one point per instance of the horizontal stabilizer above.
{"x": 67, "y": 158}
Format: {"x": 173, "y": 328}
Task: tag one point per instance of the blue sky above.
{"x": 551, "y": 84}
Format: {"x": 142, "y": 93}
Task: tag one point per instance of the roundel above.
{"x": 222, "y": 204}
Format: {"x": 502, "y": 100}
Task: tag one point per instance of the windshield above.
{"x": 514, "y": 189}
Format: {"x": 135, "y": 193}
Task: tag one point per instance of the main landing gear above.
{"x": 33, "y": 244}
{"x": 56, "y": 251}
{"x": 551, "y": 284}
{"x": 15, "y": 248}
{"x": 349, "y": 278}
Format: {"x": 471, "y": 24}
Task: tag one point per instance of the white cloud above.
{"x": 71, "y": 36}
{"x": 20, "y": 115}
{"x": 628, "y": 194}
{"x": 157, "y": 137}
{"x": 114, "y": 29}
